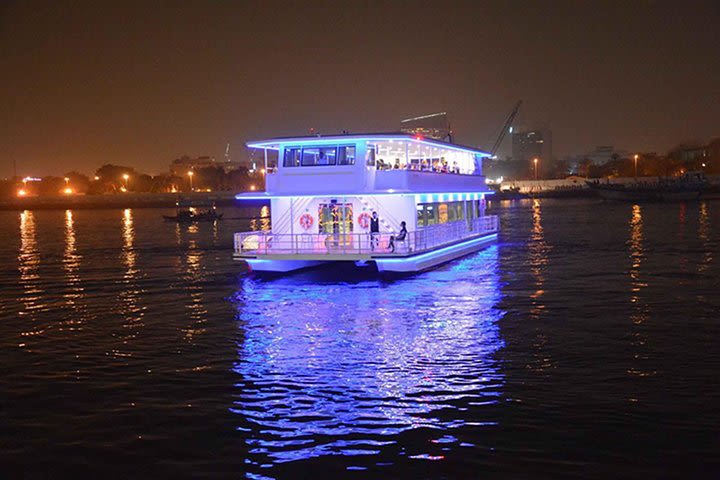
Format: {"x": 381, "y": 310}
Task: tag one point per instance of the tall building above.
{"x": 532, "y": 144}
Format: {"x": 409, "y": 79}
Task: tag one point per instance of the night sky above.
{"x": 87, "y": 83}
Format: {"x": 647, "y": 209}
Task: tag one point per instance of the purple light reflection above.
{"x": 333, "y": 368}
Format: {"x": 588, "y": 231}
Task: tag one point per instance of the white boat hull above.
{"x": 433, "y": 258}
{"x": 279, "y": 265}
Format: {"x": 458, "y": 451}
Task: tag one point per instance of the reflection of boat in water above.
{"x": 194, "y": 212}
{"x": 687, "y": 187}
{"x": 330, "y": 368}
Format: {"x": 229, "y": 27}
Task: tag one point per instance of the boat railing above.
{"x": 341, "y": 243}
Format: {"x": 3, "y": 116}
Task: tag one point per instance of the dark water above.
{"x": 585, "y": 343}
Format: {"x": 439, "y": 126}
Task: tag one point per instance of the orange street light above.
{"x": 68, "y": 191}
{"x": 636, "y": 159}
{"x": 67, "y": 180}
{"x": 535, "y": 162}
{"x": 21, "y": 192}
{"x": 190, "y": 174}
{"x": 252, "y": 187}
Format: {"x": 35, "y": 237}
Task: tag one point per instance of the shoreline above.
{"x": 113, "y": 201}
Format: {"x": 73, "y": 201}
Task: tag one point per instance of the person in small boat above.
{"x": 374, "y": 230}
{"x": 399, "y": 238}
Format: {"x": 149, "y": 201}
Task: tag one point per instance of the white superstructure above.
{"x": 324, "y": 189}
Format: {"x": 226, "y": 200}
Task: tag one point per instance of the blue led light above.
{"x": 440, "y": 251}
{"x": 436, "y": 197}
{"x": 275, "y": 144}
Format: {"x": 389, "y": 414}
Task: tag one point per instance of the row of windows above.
{"x": 435, "y": 213}
{"x": 319, "y": 156}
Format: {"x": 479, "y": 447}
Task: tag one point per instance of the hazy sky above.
{"x": 87, "y": 83}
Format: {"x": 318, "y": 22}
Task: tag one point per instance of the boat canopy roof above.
{"x": 275, "y": 143}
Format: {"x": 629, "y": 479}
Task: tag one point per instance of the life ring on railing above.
{"x": 364, "y": 220}
{"x": 306, "y": 221}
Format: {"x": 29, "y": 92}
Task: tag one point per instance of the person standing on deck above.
{"x": 374, "y": 230}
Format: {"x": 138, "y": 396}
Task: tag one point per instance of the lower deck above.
{"x": 418, "y": 250}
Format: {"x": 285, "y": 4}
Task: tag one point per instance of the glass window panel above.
{"x": 292, "y": 157}
{"x": 328, "y": 156}
{"x": 346, "y": 155}
{"x": 370, "y": 156}
{"x": 310, "y": 156}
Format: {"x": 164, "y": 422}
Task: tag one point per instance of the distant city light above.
{"x": 68, "y": 191}
{"x": 21, "y": 192}
{"x": 97, "y": 178}
{"x": 252, "y": 187}
{"x": 126, "y": 176}
{"x": 67, "y": 180}
{"x": 123, "y": 189}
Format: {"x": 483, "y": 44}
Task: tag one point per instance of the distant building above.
{"x": 604, "y": 153}
{"x": 182, "y": 165}
{"x": 599, "y": 156}
{"x": 691, "y": 153}
{"x": 532, "y": 144}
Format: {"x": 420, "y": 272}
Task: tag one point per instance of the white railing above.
{"x": 426, "y": 238}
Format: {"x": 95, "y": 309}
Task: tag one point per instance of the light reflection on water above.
{"x": 263, "y": 222}
{"x": 71, "y": 265}
{"x": 328, "y": 368}
{"x": 705, "y": 237}
{"x": 29, "y": 267}
{"x": 639, "y": 313}
{"x": 194, "y": 274}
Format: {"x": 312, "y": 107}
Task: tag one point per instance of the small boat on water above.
{"x": 194, "y": 212}
{"x": 688, "y": 187}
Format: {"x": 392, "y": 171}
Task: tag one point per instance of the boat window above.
{"x": 319, "y": 156}
{"x": 370, "y": 156}
{"x": 292, "y": 157}
{"x": 310, "y": 156}
{"x": 346, "y": 155}
{"x": 434, "y": 213}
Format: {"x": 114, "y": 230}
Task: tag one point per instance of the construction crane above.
{"x": 507, "y": 127}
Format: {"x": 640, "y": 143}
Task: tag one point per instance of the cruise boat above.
{"x": 324, "y": 191}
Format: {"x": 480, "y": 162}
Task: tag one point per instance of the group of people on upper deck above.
{"x": 437, "y": 165}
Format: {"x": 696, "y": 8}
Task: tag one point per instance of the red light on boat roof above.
{"x": 418, "y": 137}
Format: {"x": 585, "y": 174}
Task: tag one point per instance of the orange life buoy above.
{"x": 306, "y": 221}
{"x": 364, "y": 220}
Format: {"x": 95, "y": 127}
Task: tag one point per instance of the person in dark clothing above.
{"x": 399, "y": 238}
{"x": 374, "y": 230}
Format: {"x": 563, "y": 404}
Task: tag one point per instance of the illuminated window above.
{"x": 310, "y": 156}
{"x": 319, "y": 156}
{"x": 292, "y": 157}
{"x": 370, "y": 156}
{"x": 346, "y": 156}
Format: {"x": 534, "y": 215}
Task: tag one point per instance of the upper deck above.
{"x": 370, "y": 163}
